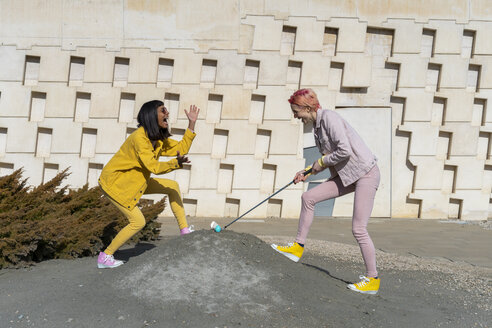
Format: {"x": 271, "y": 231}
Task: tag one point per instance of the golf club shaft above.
{"x": 261, "y": 203}
{"x": 306, "y": 172}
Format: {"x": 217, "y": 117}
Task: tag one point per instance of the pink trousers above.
{"x": 365, "y": 191}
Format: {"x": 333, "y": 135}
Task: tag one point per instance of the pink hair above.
{"x": 305, "y": 98}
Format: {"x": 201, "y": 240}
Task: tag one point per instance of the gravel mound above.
{"x": 219, "y": 273}
{"x": 235, "y": 278}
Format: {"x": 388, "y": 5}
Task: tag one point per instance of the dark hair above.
{"x": 147, "y": 117}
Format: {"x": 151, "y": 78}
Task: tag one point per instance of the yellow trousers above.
{"x": 136, "y": 218}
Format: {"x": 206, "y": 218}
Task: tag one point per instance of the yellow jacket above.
{"x": 124, "y": 178}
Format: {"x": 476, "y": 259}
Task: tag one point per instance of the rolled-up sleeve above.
{"x": 171, "y": 147}
{"x": 150, "y": 160}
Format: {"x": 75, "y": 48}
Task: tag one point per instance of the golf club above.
{"x": 217, "y": 227}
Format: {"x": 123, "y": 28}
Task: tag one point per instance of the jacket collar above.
{"x": 318, "y": 119}
{"x": 158, "y": 144}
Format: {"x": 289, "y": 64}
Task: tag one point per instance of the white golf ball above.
{"x": 215, "y": 226}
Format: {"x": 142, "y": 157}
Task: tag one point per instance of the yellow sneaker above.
{"x": 366, "y": 285}
{"x": 293, "y": 251}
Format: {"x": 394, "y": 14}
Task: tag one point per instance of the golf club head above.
{"x": 215, "y": 227}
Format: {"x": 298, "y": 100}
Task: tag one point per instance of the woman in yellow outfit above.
{"x": 126, "y": 177}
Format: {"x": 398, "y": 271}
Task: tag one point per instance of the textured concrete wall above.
{"x": 412, "y": 77}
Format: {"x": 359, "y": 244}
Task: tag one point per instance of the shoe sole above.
{"x": 102, "y": 266}
{"x": 369, "y": 292}
{"x": 288, "y": 255}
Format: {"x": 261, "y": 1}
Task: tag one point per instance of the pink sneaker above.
{"x": 186, "y": 230}
{"x": 107, "y": 261}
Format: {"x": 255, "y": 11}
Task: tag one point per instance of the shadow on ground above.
{"x": 135, "y": 251}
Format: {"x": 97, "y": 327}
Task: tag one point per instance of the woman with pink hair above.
{"x": 353, "y": 168}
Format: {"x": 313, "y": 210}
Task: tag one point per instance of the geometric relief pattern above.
{"x": 435, "y": 80}
{"x": 445, "y": 120}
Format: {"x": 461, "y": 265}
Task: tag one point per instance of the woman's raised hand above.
{"x": 192, "y": 116}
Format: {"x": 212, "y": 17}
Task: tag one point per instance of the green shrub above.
{"x": 50, "y": 221}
